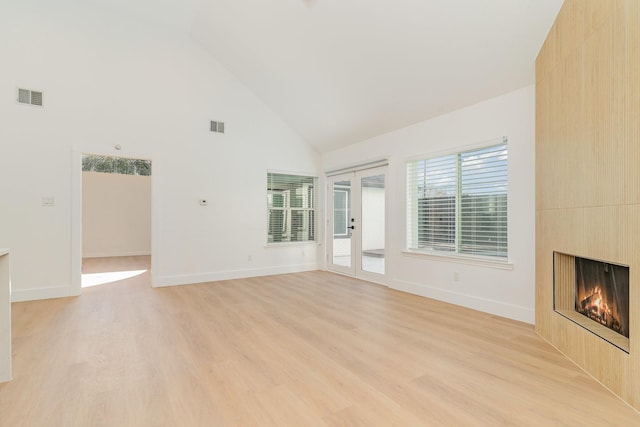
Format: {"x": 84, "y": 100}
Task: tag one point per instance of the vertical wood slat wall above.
{"x": 564, "y": 277}
{"x": 588, "y": 171}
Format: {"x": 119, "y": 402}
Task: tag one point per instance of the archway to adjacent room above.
{"x": 112, "y": 219}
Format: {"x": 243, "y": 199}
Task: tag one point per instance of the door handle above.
{"x": 353, "y": 227}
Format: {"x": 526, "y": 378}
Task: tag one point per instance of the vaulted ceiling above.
{"x": 340, "y": 71}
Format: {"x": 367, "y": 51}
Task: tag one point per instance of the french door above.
{"x": 356, "y": 228}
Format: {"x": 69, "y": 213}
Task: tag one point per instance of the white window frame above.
{"x": 411, "y": 249}
{"x": 288, "y": 210}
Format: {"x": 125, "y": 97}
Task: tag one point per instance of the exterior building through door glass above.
{"x": 373, "y": 223}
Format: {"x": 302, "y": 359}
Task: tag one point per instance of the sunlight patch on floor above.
{"x": 97, "y": 279}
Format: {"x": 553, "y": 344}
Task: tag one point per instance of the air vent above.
{"x": 217, "y": 126}
{"x": 30, "y": 97}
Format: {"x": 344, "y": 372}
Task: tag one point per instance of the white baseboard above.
{"x": 20, "y": 295}
{"x": 510, "y": 311}
{"x": 115, "y": 254}
{"x": 188, "y": 279}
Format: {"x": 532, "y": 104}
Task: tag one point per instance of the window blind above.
{"x": 457, "y": 203}
{"x": 483, "y": 201}
{"x": 340, "y": 212}
{"x": 433, "y": 184}
{"x": 291, "y": 208}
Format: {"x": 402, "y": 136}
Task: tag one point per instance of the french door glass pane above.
{"x": 373, "y": 222}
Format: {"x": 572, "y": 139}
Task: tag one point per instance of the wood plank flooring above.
{"x": 307, "y": 349}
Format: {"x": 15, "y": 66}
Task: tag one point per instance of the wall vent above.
{"x": 30, "y": 97}
{"x": 217, "y": 126}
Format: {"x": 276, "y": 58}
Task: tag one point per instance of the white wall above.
{"x": 116, "y": 214}
{"x": 508, "y": 293}
{"x": 107, "y": 81}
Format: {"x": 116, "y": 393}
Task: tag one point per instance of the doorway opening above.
{"x": 116, "y": 219}
{"x": 357, "y": 224}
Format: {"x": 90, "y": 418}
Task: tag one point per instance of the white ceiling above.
{"x": 340, "y": 71}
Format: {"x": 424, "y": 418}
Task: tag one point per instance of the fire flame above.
{"x": 594, "y": 307}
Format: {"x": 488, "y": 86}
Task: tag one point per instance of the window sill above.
{"x": 284, "y": 244}
{"x": 462, "y": 259}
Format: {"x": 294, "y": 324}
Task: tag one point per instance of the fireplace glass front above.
{"x": 593, "y": 294}
{"x": 602, "y": 293}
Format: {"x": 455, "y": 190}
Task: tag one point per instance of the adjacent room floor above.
{"x": 306, "y": 349}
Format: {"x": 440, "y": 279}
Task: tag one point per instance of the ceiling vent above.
{"x": 217, "y": 126}
{"x": 29, "y": 97}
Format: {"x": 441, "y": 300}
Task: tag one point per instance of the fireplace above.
{"x": 595, "y": 295}
{"x": 602, "y": 293}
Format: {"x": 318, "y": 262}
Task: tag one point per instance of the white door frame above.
{"x": 355, "y": 269}
{"x": 76, "y": 212}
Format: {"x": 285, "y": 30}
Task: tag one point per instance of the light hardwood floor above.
{"x": 307, "y": 349}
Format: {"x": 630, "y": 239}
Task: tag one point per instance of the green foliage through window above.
{"x": 121, "y": 165}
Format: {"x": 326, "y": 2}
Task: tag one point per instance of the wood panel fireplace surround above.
{"x": 588, "y": 190}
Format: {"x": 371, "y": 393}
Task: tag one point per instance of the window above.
{"x": 291, "y": 206}
{"x": 108, "y": 164}
{"x": 458, "y": 203}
